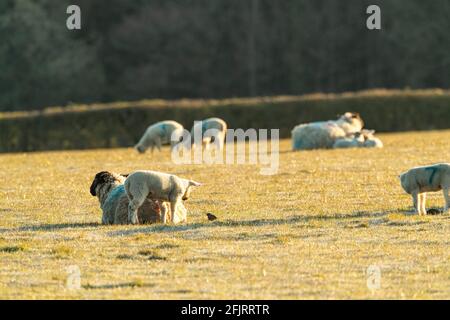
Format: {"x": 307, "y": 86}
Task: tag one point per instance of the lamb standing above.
{"x": 211, "y": 130}
{"x": 324, "y": 134}
{"x": 160, "y": 134}
{"x": 141, "y": 185}
{"x": 417, "y": 181}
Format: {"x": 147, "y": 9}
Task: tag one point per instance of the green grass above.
{"x": 311, "y": 231}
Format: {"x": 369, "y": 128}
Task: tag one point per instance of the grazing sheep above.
{"x": 109, "y": 189}
{"x": 141, "y": 185}
{"x": 323, "y": 134}
{"x": 370, "y": 140}
{"x": 160, "y": 134}
{"x": 417, "y": 181}
{"x": 352, "y": 142}
{"x": 212, "y": 130}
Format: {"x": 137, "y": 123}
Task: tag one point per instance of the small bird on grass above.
{"x": 211, "y": 217}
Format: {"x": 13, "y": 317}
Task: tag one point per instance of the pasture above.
{"x": 308, "y": 232}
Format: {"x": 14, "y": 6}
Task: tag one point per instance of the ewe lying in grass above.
{"x": 363, "y": 139}
{"x": 109, "y": 189}
{"x": 317, "y": 135}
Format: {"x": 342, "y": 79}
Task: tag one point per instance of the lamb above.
{"x": 419, "y": 180}
{"x": 211, "y": 130}
{"x": 160, "y": 133}
{"x": 141, "y": 185}
{"x": 356, "y": 141}
{"x": 370, "y": 140}
{"x": 109, "y": 189}
{"x": 324, "y": 134}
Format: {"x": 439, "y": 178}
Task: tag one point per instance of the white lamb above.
{"x": 356, "y": 141}
{"x": 160, "y": 133}
{"x": 212, "y": 130}
{"x": 324, "y": 134}
{"x": 370, "y": 140}
{"x": 420, "y": 180}
{"x": 142, "y": 185}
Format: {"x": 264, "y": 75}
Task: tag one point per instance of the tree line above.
{"x": 128, "y": 50}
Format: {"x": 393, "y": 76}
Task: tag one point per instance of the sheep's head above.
{"x": 140, "y": 148}
{"x": 368, "y": 134}
{"x": 102, "y": 178}
{"x": 353, "y": 118}
{"x": 404, "y": 181}
{"x": 189, "y": 185}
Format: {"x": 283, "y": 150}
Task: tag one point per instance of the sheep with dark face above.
{"x": 323, "y": 134}
{"x": 110, "y": 190}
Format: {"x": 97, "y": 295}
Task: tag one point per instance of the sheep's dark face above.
{"x": 100, "y": 179}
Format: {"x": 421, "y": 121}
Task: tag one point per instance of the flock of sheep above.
{"x": 150, "y": 197}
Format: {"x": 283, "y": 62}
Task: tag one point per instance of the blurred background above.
{"x": 131, "y": 50}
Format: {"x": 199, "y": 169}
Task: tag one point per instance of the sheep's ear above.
{"x": 194, "y": 183}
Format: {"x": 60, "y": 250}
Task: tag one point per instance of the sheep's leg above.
{"x": 133, "y": 207}
{"x": 174, "y": 202}
{"x": 416, "y": 201}
{"x": 447, "y": 199}
{"x": 423, "y": 201}
{"x": 158, "y": 144}
{"x": 163, "y": 213}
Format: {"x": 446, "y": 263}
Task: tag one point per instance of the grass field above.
{"x": 311, "y": 231}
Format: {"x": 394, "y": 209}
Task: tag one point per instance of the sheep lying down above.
{"x": 323, "y": 134}
{"x": 363, "y": 139}
{"x": 110, "y": 190}
{"x": 420, "y": 180}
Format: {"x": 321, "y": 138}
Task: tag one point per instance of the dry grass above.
{"x": 310, "y": 231}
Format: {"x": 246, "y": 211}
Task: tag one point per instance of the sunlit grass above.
{"x": 310, "y": 231}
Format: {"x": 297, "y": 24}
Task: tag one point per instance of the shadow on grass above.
{"x": 159, "y": 228}
{"x": 119, "y": 285}
{"x": 51, "y": 227}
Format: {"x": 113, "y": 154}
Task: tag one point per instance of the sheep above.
{"x": 141, "y": 185}
{"x": 419, "y": 180}
{"x": 370, "y": 140}
{"x": 355, "y": 141}
{"x": 210, "y": 130}
{"x": 160, "y": 133}
{"x": 109, "y": 189}
{"x": 324, "y": 134}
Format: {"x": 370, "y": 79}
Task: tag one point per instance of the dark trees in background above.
{"x": 139, "y": 49}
